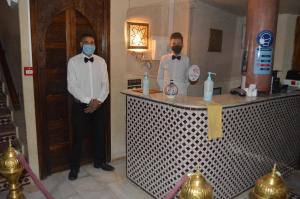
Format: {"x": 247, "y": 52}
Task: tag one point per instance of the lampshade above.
{"x": 137, "y": 35}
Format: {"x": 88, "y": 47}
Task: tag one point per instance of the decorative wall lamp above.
{"x": 138, "y": 41}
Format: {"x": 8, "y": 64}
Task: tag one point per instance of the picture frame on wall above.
{"x": 215, "y": 40}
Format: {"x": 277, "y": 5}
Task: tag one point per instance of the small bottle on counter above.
{"x": 208, "y": 87}
{"x": 171, "y": 90}
{"x": 146, "y": 84}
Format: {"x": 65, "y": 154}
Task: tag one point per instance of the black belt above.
{"x": 78, "y": 101}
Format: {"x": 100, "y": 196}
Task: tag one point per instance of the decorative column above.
{"x": 260, "y": 41}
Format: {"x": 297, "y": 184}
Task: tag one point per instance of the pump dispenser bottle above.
{"x": 146, "y": 84}
{"x": 208, "y": 87}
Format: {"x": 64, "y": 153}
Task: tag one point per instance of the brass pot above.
{"x": 270, "y": 186}
{"x": 11, "y": 169}
{"x": 196, "y": 187}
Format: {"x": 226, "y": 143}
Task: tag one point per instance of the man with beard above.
{"x": 174, "y": 66}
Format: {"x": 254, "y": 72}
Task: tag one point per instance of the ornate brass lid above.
{"x": 270, "y": 186}
{"x": 196, "y": 188}
{"x": 9, "y": 162}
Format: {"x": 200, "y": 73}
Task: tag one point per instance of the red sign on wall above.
{"x": 28, "y": 71}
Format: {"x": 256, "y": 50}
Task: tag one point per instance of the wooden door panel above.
{"x": 56, "y": 28}
{"x": 56, "y": 32}
{"x": 56, "y": 57}
{"x": 56, "y": 86}
{"x": 59, "y": 156}
{"x": 57, "y": 107}
{"x": 58, "y": 132}
{"x": 55, "y": 42}
{"x": 57, "y": 118}
{"x": 56, "y": 81}
{"x": 55, "y": 45}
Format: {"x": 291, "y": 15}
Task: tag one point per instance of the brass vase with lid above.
{"x": 196, "y": 187}
{"x": 270, "y": 186}
{"x": 11, "y": 169}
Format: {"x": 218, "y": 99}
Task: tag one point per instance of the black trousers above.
{"x": 83, "y": 124}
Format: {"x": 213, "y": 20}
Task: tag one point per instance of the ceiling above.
{"x": 239, "y": 7}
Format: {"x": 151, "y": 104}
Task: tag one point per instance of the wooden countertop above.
{"x": 226, "y": 100}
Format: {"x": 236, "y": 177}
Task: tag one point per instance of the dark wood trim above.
{"x": 8, "y": 80}
{"x": 41, "y": 155}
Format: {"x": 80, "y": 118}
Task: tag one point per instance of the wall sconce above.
{"x": 138, "y": 41}
{"x": 138, "y": 36}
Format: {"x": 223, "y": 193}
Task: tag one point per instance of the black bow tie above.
{"x": 176, "y": 57}
{"x": 88, "y": 59}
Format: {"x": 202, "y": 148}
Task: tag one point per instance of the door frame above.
{"x": 39, "y": 97}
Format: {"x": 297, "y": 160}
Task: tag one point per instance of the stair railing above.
{"x": 8, "y": 80}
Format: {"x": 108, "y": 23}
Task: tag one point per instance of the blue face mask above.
{"x": 88, "y": 49}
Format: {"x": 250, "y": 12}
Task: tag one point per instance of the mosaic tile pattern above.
{"x": 2, "y": 101}
{"x": 7, "y": 129}
{"x": 165, "y": 142}
{"x": 5, "y": 120}
{"x": 5, "y": 139}
{"x": 293, "y": 196}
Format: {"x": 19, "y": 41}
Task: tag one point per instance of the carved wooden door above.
{"x": 57, "y": 26}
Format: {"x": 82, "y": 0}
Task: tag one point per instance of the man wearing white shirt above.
{"x": 174, "y": 66}
{"x": 89, "y": 85}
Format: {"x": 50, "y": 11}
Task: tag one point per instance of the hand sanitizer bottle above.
{"x": 208, "y": 87}
{"x": 146, "y": 84}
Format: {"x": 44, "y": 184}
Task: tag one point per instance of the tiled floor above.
{"x": 97, "y": 184}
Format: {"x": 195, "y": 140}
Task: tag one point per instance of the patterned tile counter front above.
{"x": 165, "y": 141}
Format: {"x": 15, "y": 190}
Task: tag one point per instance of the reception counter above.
{"x": 166, "y": 138}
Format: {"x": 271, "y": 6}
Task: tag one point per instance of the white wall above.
{"x": 118, "y": 77}
{"x": 141, "y": 3}
{"x": 164, "y": 17}
{"x": 285, "y": 40}
{"x": 120, "y": 59}
{"x": 203, "y": 18}
{"x": 124, "y": 65}
{"x": 229, "y": 76}
{"x": 28, "y": 90}
{"x": 149, "y": 11}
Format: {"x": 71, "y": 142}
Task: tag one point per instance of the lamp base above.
{"x": 16, "y": 194}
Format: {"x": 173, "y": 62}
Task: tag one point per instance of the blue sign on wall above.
{"x": 265, "y": 39}
{"x": 263, "y": 61}
{"x": 264, "y": 53}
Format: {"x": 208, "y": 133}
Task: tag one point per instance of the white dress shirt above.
{"x": 87, "y": 81}
{"x": 176, "y": 70}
